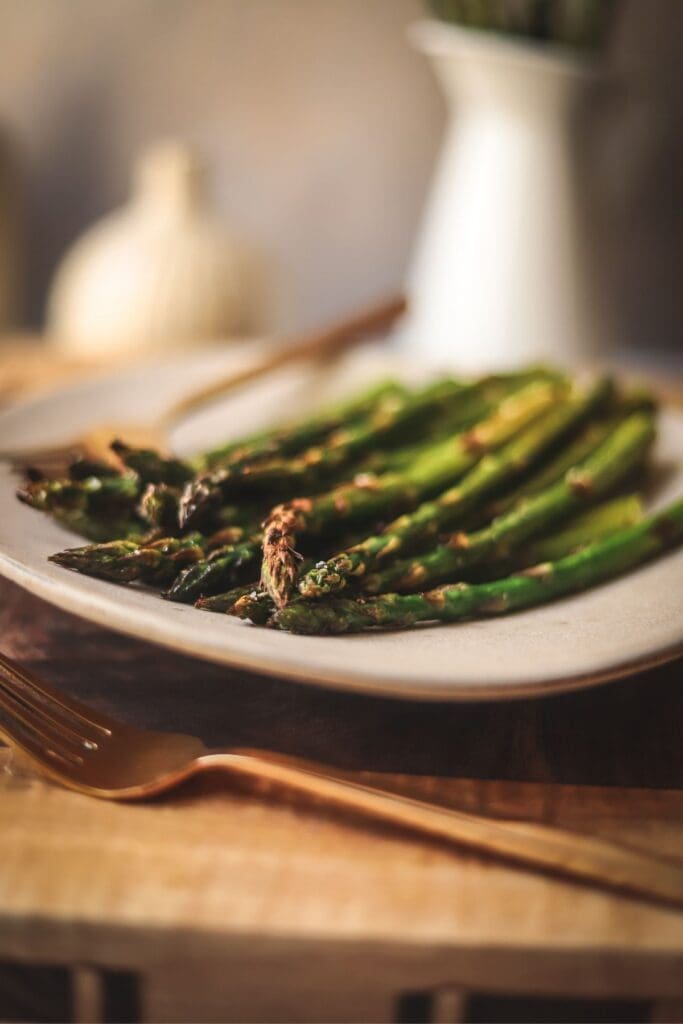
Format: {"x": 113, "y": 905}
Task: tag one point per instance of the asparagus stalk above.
{"x": 82, "y": 468}
{"x": 100, "y": 508}
{"x": 595, "y": 564}
{"x": 211, "y": 575}
{"x": 432, "y": 517}
{"x": 442, "y": 408}
{"x": 463, "y": 406}
{"x": 246, "y": 602}
{"x": 589, "y": 526}
{"x": 124, "y": 561}
{"x": 371, "y": 497}
{"x": 295, "y": 437}
{"x": 587, "y": 441}
{"x": 391, "y": 415}
{"x": 203, "y": 582}
{"x": 586, "y": 528}
{"x": 225, "y": 602}
{"x": 584, "y": 483}
{"x": 158, "y": 506}
{"x": 96, "y": 494}
{"x": 152, "y": 468}
{"x": 472, "y": 405}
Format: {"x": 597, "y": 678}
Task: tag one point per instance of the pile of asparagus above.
{"x": 398, "y": 506}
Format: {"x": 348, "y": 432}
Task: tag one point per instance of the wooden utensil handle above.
{"x": 344, "y": 333}
{"x": 570, "y": 854}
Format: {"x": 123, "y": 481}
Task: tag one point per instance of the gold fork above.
{"x": 99, "y": 756}
{"x": 320, "y": 343}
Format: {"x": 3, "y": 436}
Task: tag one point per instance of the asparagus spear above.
{"x": 211, "y": 575}
{"x": 297, "y": 436}
{"x": 392, "y": 413}
{"x": 442, "y": 407}
{"x": 124, "y": 561}
{"x": 152, "y": 468}
{"x": 246, "y": 602}
{"x": 96, "y": 494}
{"x": 586, "y": 528}
{"x": 594, "y": 564}
{"x": 100, "y": 508}
{"x": 82, "y": 468}
{"x": 586, "y": 482}
{"x": 225, "y": 601}
{"x": 472, "y": 404}
{"x": 432, "y": 517}
{"x": 204, "y": 581}
{"x": 371, "y": 497}
{"x": 307, "y": 470}
{"x": 158, "y": 506}
{"x": 589, "y": 526}
{"x": 588, "y": 440}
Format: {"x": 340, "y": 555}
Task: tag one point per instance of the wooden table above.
{"x": 214, "y": 905}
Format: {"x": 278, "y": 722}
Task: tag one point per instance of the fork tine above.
{"x": 51, "y": 762}
{"x": 16, "y": 694}
{"x": 44, "y": 698}
{"x": 34, "y": 736}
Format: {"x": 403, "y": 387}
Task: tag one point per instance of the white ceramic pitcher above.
{"x": 502, "y": 271}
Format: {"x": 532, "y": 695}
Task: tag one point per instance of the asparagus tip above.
{"x": 280, "y": 571}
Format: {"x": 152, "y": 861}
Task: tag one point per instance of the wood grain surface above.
{"x": 272, "y": 907}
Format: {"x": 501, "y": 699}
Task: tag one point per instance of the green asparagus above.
{"x": 158, "y": 506}
{"x": 295, "y": 437}
{"x": 495, "y": 481}
{"x": 589, "y": 526}
{"x": 587, "y": 441}
{"x": 540, "y": 584}
{"x": 152, "y": 468}
{"x": 124, "y": 561}
{"x": 99, "y": 508}
{"x": 432, "y": 517}
{"x": 308, "y": 470}
{"x": 246, "y": 602}
{"x": 371, "y": 497}
{"x": 211, "y": 575}
{"x": 82, "y": 468}
{"x": 584, "y": 483}
{"x": 225, "y": 602}
{"x": 583, "y": 529}
{"x": 101, "y": 495}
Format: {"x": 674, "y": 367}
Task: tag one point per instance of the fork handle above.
{"x": 317, "y": 343}
{"x": 573, "y": 855}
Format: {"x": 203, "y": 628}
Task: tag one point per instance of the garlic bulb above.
{"x": 157, "y": 273}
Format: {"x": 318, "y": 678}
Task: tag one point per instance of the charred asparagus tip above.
{"x": 279, "y": 570}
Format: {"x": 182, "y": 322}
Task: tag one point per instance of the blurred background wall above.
{"x": 321, "y": 126}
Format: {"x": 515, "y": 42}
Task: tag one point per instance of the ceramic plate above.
{"x": 608, "y": 632}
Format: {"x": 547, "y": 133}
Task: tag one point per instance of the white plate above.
{"x": 608, "y": 632}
